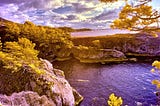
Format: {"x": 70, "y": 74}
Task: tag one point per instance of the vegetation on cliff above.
{"x": 16, "y": 55}
{"x": 70, "y": 29}
{"x": 22, "y": 70}
{"x": 52, "y": 42}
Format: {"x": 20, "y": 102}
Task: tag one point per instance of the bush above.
{"x": 115, "y": 101}
{"x": 156, "y": 64}
{"x": 97, "y": 43}
{"x": 48, "y": 40}
{"x": 18, "y": 54}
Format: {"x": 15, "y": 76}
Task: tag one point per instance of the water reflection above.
{"x": 131, "y": 81}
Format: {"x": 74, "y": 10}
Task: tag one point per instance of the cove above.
{"x": 95, "y": 82}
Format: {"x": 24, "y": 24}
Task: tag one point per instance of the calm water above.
{"x": 101, "y": 32}
{"x": 131, "y": 81}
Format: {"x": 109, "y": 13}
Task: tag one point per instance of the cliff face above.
{"x": 130, "y": 45}
{"x": 51, "y": 83}
{"x": 21, "y": 69}
{"x": 143, "y": 46}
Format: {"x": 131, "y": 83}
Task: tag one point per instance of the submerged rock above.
{"x": 96, "y": 101}
{"x": 77, "y": 97}
{"x": 51, "y": 83}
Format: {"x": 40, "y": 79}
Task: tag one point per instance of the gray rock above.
{"x": 78, "y": 97}
{"x": 142, "y": 45}
{"x": 48, "y": 66}
{"x": 25, "y": 98}
{"x": 50, "y": 82}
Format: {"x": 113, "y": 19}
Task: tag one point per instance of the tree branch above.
{"x": 150, "y": 18}
{"x": 143, "y": 2}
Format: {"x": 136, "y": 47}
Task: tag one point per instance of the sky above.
{"x": 56, "y": 13}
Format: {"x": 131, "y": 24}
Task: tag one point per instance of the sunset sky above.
{"x": 72, "y": 13}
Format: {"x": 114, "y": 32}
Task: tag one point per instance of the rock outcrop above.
{"x": 131, "y": 45}
{"x": 51, "y": 83}
{"x": 144, "y": 45}
{"x": 95, "y": 55}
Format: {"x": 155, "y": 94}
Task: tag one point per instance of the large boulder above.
{"x": 25, "y": 98}
{"x": 51, "y": 83}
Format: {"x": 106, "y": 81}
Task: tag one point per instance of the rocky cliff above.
{"x": 50, "y": 86}
{"x": 126, "y": 45}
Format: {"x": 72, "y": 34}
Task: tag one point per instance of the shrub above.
{"x": 97, "y": 43}
{"x": 156, "y": 64}
{"x": 49, "y": 41}
{"x": 18, "y": 54}
{"x": 115, "y": 101}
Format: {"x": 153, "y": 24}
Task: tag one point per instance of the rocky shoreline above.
{"x": 26, "y": 87}
{"x": 117, "y": 48}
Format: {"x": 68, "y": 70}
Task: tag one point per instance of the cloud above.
{"x": 79, "y": 8}
{"x": 34, "y": 3}
{"x": 71, "y": 17}
{"x": 11, "y": 1}
{"x": 107, "y": 15}
{"x": 73, "y": 13}
{"x": 63, "y": 9}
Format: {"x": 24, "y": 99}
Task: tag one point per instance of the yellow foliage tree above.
{"x": 137, "y": 17}
{"x": 49, "y": 41}
{"x": 18, "y": 54}
{"x": 115, "y": 101}
{"x": 12, "y": 28}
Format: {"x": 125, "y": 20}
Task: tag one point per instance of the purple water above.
{"x": 131, "y": 81}
{"x": 101, "y": 32}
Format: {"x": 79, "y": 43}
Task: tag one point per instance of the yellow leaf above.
{"x": 152, "y": 70}
{"x": 156, "y": 82}
{"x": 156, "y": 64}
